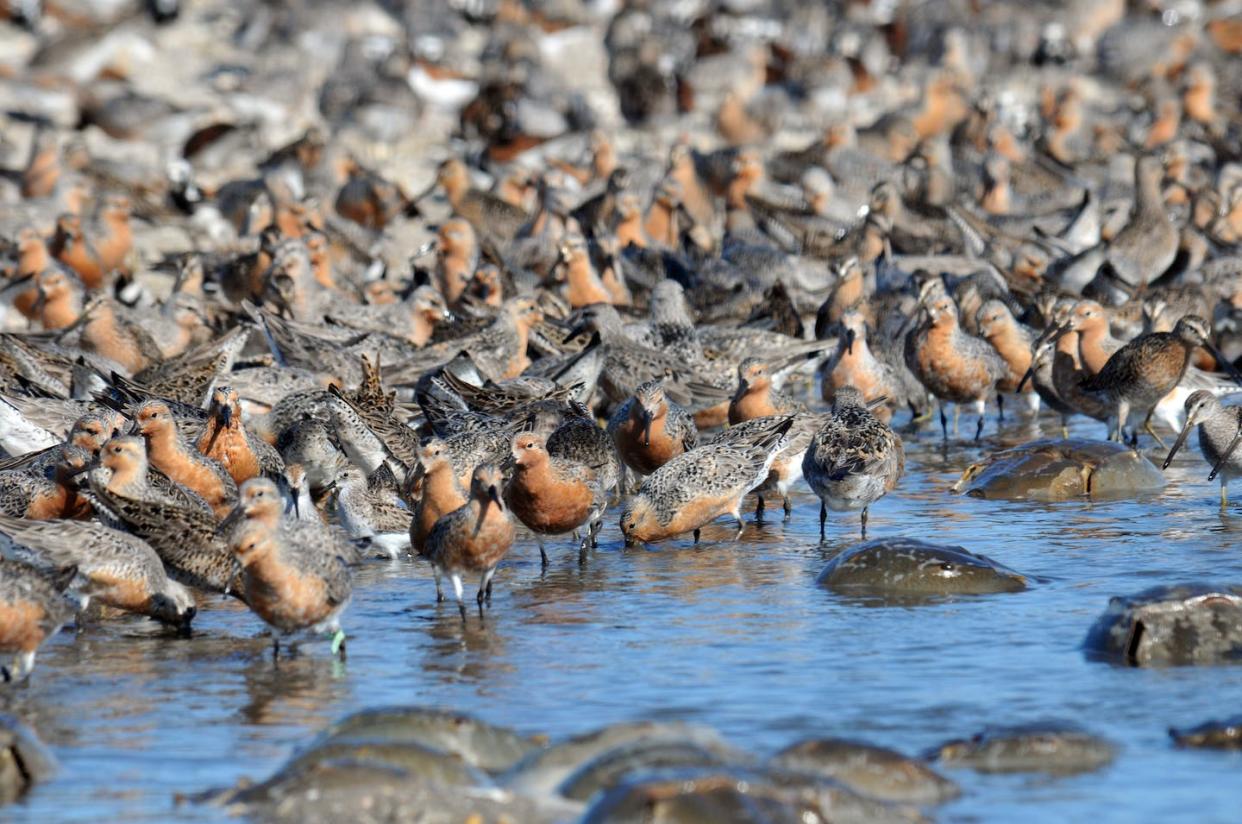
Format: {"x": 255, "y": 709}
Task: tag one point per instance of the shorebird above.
{"x": 370, "y": 510}
{"x": 441, "y": 492}
{"x": 551, "y": 495}
{"x": 786, "y": 468}
{"x": 580, "y": 439}
{"x": 122, "y": 570}
{"x": 169, "y": 452}
{"x": 755, "y": 397}
{"x": 226, "y": 440}
{"x": 179, "y": 526}
{"x": 1147, "y": 368}
{"x": 1219, "y": 426}
{"x": 1145, "y": 248}
{"x": 650, "y": 429}
{"x": 857, "y": 364}
{"x": 472, "y": 538}
{"x": 1014, "y": 343}
{"x": 853, "y": 460}
{"x": 293, "y": 572}
{"x": 954, "y": 366}
{"x": 33, "y": 607}
{"x": 696, "y": 487}
{"x": 29, "y": 493}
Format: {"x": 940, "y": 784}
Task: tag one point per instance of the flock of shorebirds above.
{"x": 250, "y": 366}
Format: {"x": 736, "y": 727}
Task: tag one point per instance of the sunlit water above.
{"x": 735, "y": 635}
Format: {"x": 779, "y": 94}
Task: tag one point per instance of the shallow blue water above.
{"x": 735, "y": 635}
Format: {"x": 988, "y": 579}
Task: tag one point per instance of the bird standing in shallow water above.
{"x": 853, "y": 460}
{"x": 472, "y": 538}
{"x": 1218, "y": 426}
{"x": 1147, "y": 368}
{"x": 292, "y": 585}
{"x": 550, "y": 495}
{"x": 954, "y": 365}
{"x": 649, "y": 429}
{"x": 697, "y": 487}
{"x": 33, "y": 607}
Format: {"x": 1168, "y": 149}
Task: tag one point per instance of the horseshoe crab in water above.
{"x": 1171, "y": 626}
{"x": 874, "y": 771}
{"x": 480, "y": 744}
{"x": 1054, "y": 748}
{"x": 1058, "y": 470}
{"x": 909, "y": 567}
{"x": 24, "y": 761}
{"x": 740, "y": 796}
{"x": 543, "y": 771}
{"x": 1217, "y": 735}
{"x": 613, "y": 767}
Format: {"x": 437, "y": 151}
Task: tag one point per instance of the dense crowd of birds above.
{"x": 239, "y": 356}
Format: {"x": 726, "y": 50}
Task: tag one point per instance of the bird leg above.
{"x": 741, "y": 525}
{"x": 457, "y": 591}
{"x": 1224, "y": 494}
{"x": 338, "y": 643}
{"x": 759, "y": 509}
{"x": 944, "y": 423}
{"x": 864, "y": 523}
{"x": 696, "y": 534}
{"x": 275, "y": 647}
{"x": 979, "y": 428}
{"x": 596, "y": 526}
{"x": 823, "y": 510}
{"x": 435, "y": 571}
{"x": 1000, "y": 411}
{"x": 1147, "y": 428}
{"x": 957, "y": 413}
{"x": 788, "y": 508}
{"x": 543, "y": 553}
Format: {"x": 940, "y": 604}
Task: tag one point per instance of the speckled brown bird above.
{"x": 853, "y": 460}
{"x": 473, "y": 538}
{"x": 695, "y": 488}
{"x": 46, "y": 495}
{"x": 1147, "y": 368}
{"x": 123, "y": 570}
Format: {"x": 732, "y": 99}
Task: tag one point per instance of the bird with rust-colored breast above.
{"x": 473, "y": 538}
{"x": 702, "y": 484}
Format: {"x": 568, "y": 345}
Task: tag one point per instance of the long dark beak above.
{"x": 646, "y": 417}
{"x": 230, "y": 519}
{"x": 1026, "y": 377}
{"x": 1053, "y": 333}
{"x": 1177, "y": 444}
{"x": 849, "y": 341}
{"x": 576, "y": 331}
{"x": 493, "y": 495}
{"x": 876, "y": 403}
{"x": 1224, "y": 362}
{"x": 1224, "y": 458}
{"x": 226, "y": 416}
